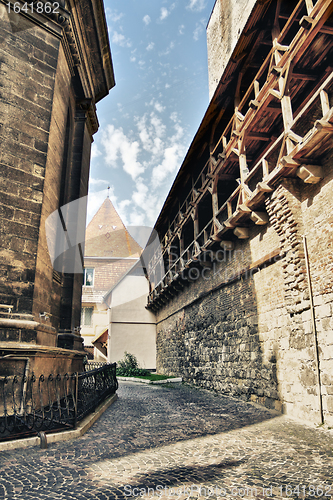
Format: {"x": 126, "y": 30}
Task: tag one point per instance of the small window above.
{"x": 86, "y": 316}
{"x": 88, "y": 277}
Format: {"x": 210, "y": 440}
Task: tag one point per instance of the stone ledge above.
{"x": 56, "y": 437}
{"x": 165, "y": 381}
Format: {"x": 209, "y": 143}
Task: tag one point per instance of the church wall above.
{"x": 48, "y": 292}
{"x": 27, "y": 77}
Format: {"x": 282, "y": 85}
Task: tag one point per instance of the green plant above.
{"x": 129, "y": 367}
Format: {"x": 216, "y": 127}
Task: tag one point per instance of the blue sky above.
{"x": 150, "y": 117}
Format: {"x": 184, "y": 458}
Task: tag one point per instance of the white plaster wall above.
{"x": 99, "y": 324}
{"x": 138, "y": 339}
{"x": 133, "y": 327}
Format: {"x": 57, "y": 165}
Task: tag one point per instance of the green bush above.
{"x": 129, "y": 367}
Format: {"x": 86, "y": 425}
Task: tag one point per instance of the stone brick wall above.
{"x": 225, "y": 25}
{"x": 27, "y": 77}
{"x": 47, "y": 292}
{"x": 250, "y": 333}
{"x": 214, "y": 341}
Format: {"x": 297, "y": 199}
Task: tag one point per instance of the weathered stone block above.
{"x": 323, "y": 311}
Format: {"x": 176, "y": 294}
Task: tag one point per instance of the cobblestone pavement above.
{"x": 180, "y": 442}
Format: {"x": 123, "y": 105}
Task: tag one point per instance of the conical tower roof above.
{"x": 106, "y": 235}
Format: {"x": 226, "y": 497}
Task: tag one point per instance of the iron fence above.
{"x": 94, "y": 386}
{"x": 29, "y": 405}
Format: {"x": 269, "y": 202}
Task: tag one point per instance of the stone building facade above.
{"x": 244, "y": 306}
{"x": 55, "y": 66}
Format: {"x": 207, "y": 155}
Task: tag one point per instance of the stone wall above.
{"x": 214, "y": 341}
{"x": 27, "y": 77}
{"x": 248, "y": 332}
{"x": 224, "y": 28}
{"x": 54, "y": 67}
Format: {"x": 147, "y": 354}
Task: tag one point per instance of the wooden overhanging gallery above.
{"x": 271, "y": 117}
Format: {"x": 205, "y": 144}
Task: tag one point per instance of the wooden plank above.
{"x": 325, "y": 102}
{"x": 298, "y": 75}
{"x": 287, "y": 113}
{"x": 257, "y": 136}
{"x": 309, "y": 6}
{"x": 265, "y": 169}
{"x": 326, "y": 30}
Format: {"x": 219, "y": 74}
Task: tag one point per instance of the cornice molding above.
{"x": 62, "y": 26}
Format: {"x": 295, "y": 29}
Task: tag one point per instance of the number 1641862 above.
{"x": 39, "y": 7}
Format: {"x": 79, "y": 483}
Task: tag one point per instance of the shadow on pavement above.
{"x": 151, "y": 416}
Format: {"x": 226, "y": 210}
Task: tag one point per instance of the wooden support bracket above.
{"x": 324, "y": 126}
{"x": 263, "y": 187}
{"x": 306, "y": 22}
{"x": 289, "y": 162}
{"x": 254, "y": 104}
{"x": 242, "y": 233}
{"x": 259, "y": 218}
{"x": 310, "y": 174}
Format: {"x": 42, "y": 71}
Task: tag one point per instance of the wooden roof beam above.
{"x": 300, "y": 75}
{"x": 258, "y": 136}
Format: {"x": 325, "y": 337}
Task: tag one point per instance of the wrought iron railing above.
{"x": 94, "y": 386}
{"x": 29, "y": 405}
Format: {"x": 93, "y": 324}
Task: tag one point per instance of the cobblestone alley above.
{"x": 177, "y": 442}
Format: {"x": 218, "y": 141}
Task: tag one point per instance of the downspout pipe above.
{"x": 109, "y": 335}
{"x": 314, "y": 329}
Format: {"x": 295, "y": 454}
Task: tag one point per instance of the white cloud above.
{"x": 172, "y": 160}
{"x": 96, "y": 182}
{"x": 95, "y": 152}
{"x": 116, "y": 17}
{"x": 157, "y": 123}
{"x": 118, "y": 147}
{"x": 137, "y": 219}
{"x": 123, "y": 204}
{"x": 158, "y": 106}
{"x": 146, "y": 204}
{"x": 168, "y": 50}
{"x": 113, "y": 15}
{"x": 179, "y": 133}
{"x": 199, "y": 29}
{"x": 174, "y": 116}
{"x": 119, "y": 39}
{"x": 146, "y": 20}
{"x": 132, "y": 58}
{"x": 139, "y": 196}
{"x": 164, "y": 13}
{"x": 196, "y": 5}
{"x": 181, "y": 29}
{"x": 151, "y": 155}
{"x": 150, "y": 46}
{"x": 151, "y": 130}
